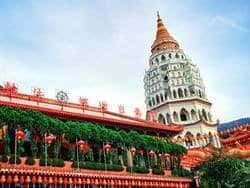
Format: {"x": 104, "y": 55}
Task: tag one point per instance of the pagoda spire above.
{"x": 163, "y": 39}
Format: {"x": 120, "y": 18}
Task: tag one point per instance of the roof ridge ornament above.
{"x": 158, "y": 15}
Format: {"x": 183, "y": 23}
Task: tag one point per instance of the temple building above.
{"x": 175, "y": 91}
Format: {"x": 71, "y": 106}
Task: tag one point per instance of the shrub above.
{"x": 97, "y": 166}
{"x": 141, "y": 169}
{"x": 4, "y": 158}
{"x": 157, "y": 171}
{"x": 75, "y": 165}
{"x": 181, "y": 172}
{"x": 42, "y": 162}
{"x": 30, "y": 161}
{"x": 12, "y": 159}
{"x": 57, "y": 162}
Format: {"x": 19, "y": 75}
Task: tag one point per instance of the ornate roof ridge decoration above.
{"x": 163, "y": 39}
{"x": 74, "y": 111}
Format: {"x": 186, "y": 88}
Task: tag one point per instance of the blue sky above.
{"x": 100, "y": 49}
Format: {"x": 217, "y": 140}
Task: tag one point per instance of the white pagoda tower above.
{"x": 175, "y": 91}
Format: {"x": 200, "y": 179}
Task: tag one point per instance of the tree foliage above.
{"x": 88, "y": 131}
{"x": 227, "y": 172}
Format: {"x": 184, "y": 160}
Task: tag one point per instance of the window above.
{"x": 157, "y": 99}
{"x": 163, "y": 58}
{"x": 166, "y": 78}
{"x": 174, "y": 94}
{"x": 175, "y": 117}
{"x": 177, "y": 55}
{"x": 180, "y": 93}
{"x": 170, "y": 56}
{"x": 161, "y": 119}
{"x": 149, "y": 103}
{"x": 204, "y": 114}
{"x": 161, "y": 96}
{"x": 166, "y": 95}
{"x": 193, "y": 115}
{"x": 185, "y": 92}
{"x": 168, "y": 118}
{"x": 184, "y": 115}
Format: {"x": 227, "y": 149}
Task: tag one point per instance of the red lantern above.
{"x": 49, "y": 138}
{"x": 81, "y": 144}
{"x": 151, "y": 153}
{"x": 19, "y": 134}
{"x": 107, "y": 148}
{"x": 132, "y": 150}
{"x": 141, "y": 152}
{"x": 166, "y": 155}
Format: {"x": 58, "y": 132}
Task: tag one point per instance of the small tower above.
{"x": 174, "y": 88}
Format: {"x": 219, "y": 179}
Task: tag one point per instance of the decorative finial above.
{"x": 158, "y": 15}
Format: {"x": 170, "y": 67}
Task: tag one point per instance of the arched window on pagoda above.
{"x": 168, "y": 117}
{"x": 161, "y": 119}
{"x": 150, "y": 103}
{"x": 175, "y": 117}
{"x": 184, "y": 115}
{"x": 166, "y": 95}
{"x": 200, "y": 115}
{"x": 185, "y": 92}
{"x": 174, "y": 94}
{"x": 200, "y": 95}
{"x": 161, "y": 96}
{"x": 157, "y": 60}
{"x": 204, "y": 114}
{"x": 163, "y": 58}
{"x": 170, "y": 56}
{"x": 209, "y": 116}
{"x": 193, "y": 115}
{"x": 157, "y": 99}
{"x": 180, "y": 93}
{"x": 153, "y": 101}
{"x": 188, "y": 139}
